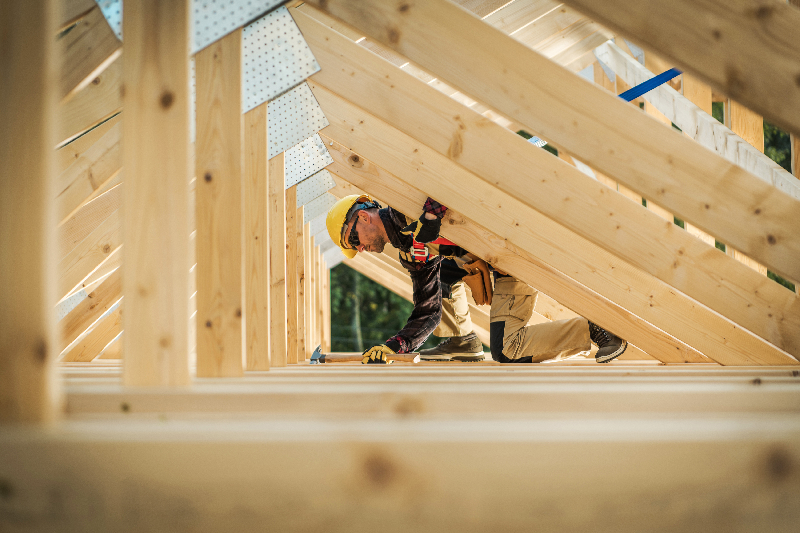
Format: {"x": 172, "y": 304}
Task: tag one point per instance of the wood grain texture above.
{"x": 89, "y": 254}
{"x": 256, "y": 238}
{"x": 77, "y": 228}
{"x": 97, "y": 339}
{"x": 744, "y": 49}
{"x": 301, "y": 230}
{"x": 307, "y": 292}
{"x": 326, "y": 306}
{"x": 218, "y": 216}
{"x": 292, "y": 300}
{"x": 28, "y": 346}
{"x": 660, "y": 164}
{"x": 86, "y": 51}
{"x": 73, "y": 10}
{"x": 557, "y": 190}
{"x": 69, "y": 153}
{"x": 98, "y": 101}
{"x": 98, "y": 301}
{"x": 277, "y": 260}
{"x": 312, "y": 278}
{"x": 513, "y": 223}
{"x": 156, "y": 199}
{"x": 319, "y": 300}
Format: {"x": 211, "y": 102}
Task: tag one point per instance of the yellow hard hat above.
{"x": 340, "y": 213}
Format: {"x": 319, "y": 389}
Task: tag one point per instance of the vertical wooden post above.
{"x": 311, "y": 288}
{"x": 699, "y": 94}
{"x": 749, "y": 126}
{"x": 301, "y": 230}
{"x": 219, "y": 207}
{"x": 291, "y": 275}
{"x": 256, "y": 236}
{"x": 320, "y": 297}
{"x": 155, "y": 155}
{"x": 277, "y": 260}
{"x": 309, "y": 291}
{"x": 795, "y": 144}
{"x": 326, "y": 307}
{"x": 28, "y": 345}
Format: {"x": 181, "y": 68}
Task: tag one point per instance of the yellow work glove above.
{"x": 377, "y": 355}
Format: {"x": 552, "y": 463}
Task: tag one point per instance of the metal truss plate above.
{"x": 318, "y": 224}
{"x": 318, "y": 206}
{"x": 305, "y": 159}
{"x": 112, "y": 11}
{"x": 333, "y": 257}
{"x": 293, "y": 117}
{"x": 314, "y": 187}
{"x": 276, "y": 58}
{"x": 214, "y": 19}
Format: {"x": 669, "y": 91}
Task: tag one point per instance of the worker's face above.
{"x": 368, "y": 226}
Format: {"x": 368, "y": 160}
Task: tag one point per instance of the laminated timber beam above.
{"x": 440, "y": 178}
{"x": 554, "y": 188}
{"x": 156, "y": 199}
{"x": 595, "y": 126}
{"x": 87, "y": 49}
{"x": 499, "y": 250}
{"x": 28, "y": 345}
{"x": 744, "y": 49}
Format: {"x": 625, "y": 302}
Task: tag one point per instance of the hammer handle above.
{"x": 356, "y": 357}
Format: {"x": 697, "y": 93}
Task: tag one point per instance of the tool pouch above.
{"x": 479, "y": 281}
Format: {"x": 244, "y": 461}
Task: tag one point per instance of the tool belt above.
{"x": 479, "y": 281}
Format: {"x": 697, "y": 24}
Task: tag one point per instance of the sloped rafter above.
{"x": 555, "y": 188}
{"x": 744, "y": 49}
{"x": 600, "y": 129}
{"x": 98, "y": 101}
{"x": 89, "y": 310}
{"x": 89, "y": 254}
{"x": 498, "y": 249}
{"x": 526, "y": 228}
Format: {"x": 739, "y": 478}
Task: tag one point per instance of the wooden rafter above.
{"x": 98, "y": 101}
{"x": 660, "y": 164}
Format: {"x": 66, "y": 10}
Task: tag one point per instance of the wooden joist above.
{"x": 558, "y": 190}
{"x": 276, "y": 188}
{"x": 73, "y": 10}
{"x": 156, "y": 200}
{"x": 86, "y": 313}
{"x": 97, "y": 339}
{"x": 256, "y": 238}
{"x": 219, "y": 161}
{"x": 301, "y": 233}
{"x": 746, "y": 50}
{"x": 89, "y": 254}
{"x": 509, "y": 217}
{"x": 660, "y": 164}
{"x": 292, "y": 355}
{"x": 28, "y": 346}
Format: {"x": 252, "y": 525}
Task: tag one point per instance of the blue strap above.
{"x": 645, "y": 87}
{"x": 631, "y": 94}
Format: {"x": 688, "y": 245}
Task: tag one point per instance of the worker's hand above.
{"x": 426, "y": 228}
{"x": 377, "y": 355}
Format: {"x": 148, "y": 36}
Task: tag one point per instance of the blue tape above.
{"x": 645, "y": 87}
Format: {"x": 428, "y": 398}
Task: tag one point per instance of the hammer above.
{"x": 318, "y": 357}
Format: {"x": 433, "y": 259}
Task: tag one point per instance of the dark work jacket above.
{"x": 423, "y": 262}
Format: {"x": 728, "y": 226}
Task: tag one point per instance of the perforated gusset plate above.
{"x": 293, "y": 117}
{"x": 276, "y": 58}
{"x": 318, "y": 206}
{"x": 314, "y": 187}
{"x": 214, "y": 19}
{"x": 333, "y": 257}
{"x": 305, "y": 159}
{"x": 112, "y": 11}
{"x": 317, "y": 225}
{"x": 67, "y": 305}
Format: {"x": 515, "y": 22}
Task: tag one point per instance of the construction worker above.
{"x": 357, "y": 223}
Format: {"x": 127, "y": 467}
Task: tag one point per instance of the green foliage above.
{"x": 777, "y": 146}
{"x": 525, "y": 135}
{"x": 382, "y": 313}
{"x": 718, "y": 111}
{"x": 679, "y": 222}
{"x": 786, "y": 283}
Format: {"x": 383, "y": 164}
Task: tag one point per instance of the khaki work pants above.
{"x": 513, "y": 304}
{"x": 456, "y": 321}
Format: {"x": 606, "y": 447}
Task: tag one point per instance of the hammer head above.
{"x": 317, "y": 357}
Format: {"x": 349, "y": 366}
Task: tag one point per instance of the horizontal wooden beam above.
{"x": 746, "y": 50}
{"x": 510, "y": 218}
{"x": 554, "y": 188}
{"x": 660, "y": 164}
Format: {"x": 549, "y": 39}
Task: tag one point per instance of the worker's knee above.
{"x": 497, "y": 332}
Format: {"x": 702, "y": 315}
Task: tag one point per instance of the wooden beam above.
{"x": 540, "y": 237}
{"x": 308, "y": 289}
{"x": 86, "y": 51}
{"x": 99, "y": 300}
{"x": 277, "y": 260}
{"x": 549, "y": 186}
{"x": 301, "y": 230}
{"x": 93, "y": 172}
{"x": 292, "y": 348}
{"x": 89, "y": 254}
{"x": 77, "y": 228}
{"x": 313, "y": 316}
{"x": 69, "y": 153}
{"x": 748, "y": 50}
{"x": 256, "y": 237}
{"x": 97, "y": 339}
{"x": 73, "y": 10}
{"x": 520, "y": 14}
{"x": 98, "y": 101}
{"x": 326, "y": 306}
{"x": 156, "y": 221}
{"x": 661, "y": 164}
{"x": 218, "y": 208}
{"x": 28, "y": 388}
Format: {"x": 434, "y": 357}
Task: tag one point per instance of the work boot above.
{"x": 609, "y": 345}
{"x": 466, "y": 348}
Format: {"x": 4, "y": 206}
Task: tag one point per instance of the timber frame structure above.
{"x": 190, "y": 404}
